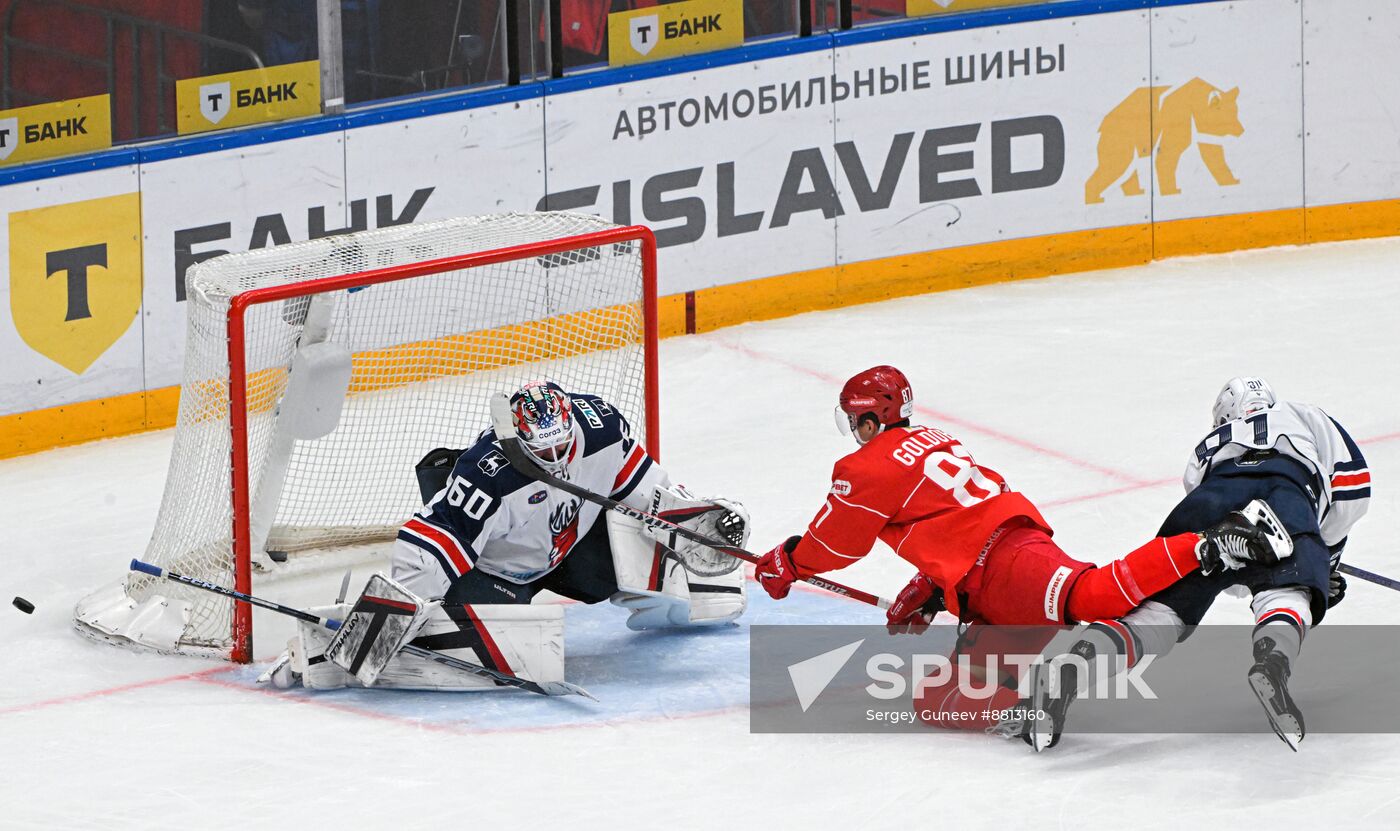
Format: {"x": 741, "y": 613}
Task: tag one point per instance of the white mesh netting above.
{"x": 427, "y": 353}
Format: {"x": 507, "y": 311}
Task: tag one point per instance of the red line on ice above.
{"x": 1088, "y": 497}
{"x": 944, "y": 418}
{"x": 1134, "y": 482}
{"x": 138, "y": 685}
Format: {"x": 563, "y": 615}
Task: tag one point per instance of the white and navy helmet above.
{"x": 544, "y": 421}
{"x": 1241, "y": 397}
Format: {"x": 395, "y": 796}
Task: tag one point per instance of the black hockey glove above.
{"x": 1336, "y": 581}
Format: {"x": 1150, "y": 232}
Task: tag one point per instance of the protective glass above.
{"x": 845, "y": 422}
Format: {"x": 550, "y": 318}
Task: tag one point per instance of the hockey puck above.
{"x": 23, "y": 605}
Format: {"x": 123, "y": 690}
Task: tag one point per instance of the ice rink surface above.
{"x": 1087, "y": 392}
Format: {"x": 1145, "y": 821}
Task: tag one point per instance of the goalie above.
{"x": 490, "y": 536}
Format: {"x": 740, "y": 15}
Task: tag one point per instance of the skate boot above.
{"x": 1269, "y": 680}
{"x": 1045, "y": 717}
{"x": 1253, "y": 534}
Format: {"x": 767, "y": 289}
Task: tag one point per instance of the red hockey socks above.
{"x": 1113, "y": 590}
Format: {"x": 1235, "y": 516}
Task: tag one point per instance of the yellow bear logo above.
{"x": 1172, "y": 116}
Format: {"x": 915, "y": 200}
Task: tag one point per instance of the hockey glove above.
{"x": 1336, "y": 581}
{"x": 775, "y": 571}
{"x": 914, "y": 607}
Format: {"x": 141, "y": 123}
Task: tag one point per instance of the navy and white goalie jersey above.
{"x": 492, "y": 517}
{"x": 1309, "y": 435}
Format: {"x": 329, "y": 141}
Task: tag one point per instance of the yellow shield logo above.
{"x": 75, "y": 277}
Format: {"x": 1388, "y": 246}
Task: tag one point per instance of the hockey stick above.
{"x": 1369, "y": 575}
{"x": 522, "y": 461}
{"x": 543, "y": 687}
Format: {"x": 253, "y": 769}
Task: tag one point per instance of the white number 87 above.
{"x": 955, "y": 472}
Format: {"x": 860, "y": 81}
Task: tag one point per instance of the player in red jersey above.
{"x": 982, "y": 550}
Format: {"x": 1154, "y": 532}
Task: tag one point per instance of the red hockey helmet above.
{"x": 882, "y": 392}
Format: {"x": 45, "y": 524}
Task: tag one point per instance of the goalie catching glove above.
{"x": 666, "y": 580}
{"x": 713, "y": 516}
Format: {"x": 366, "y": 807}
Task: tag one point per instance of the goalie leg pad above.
{"x": 526, "y": 641}
{"x": 522, "y": 640}
{"x": 382, "y": 620}
{"x": 659, "y": 592}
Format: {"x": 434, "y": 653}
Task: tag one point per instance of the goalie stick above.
{"x": 521, "y": 460}
{"x": 543, "y": 688}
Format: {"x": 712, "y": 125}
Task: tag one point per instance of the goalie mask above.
{"x": 544, "y": 421}
{"x": 1242, "y": 397}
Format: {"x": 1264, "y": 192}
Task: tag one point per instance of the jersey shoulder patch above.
{"x": 486, "y": 467}
{"x": 601, "y": 423}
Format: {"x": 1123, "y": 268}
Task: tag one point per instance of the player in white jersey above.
{"x": 491, "y": 534}
{"x": 1303, "y": 462}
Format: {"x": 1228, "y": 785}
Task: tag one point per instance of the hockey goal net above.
{"x": 318, "y": 373}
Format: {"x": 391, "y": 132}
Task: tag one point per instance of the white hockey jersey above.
{"x": 1309, "y": 435}
{"x": 492, "y": 517}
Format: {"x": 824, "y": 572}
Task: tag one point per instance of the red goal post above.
{"x": 412, "y": 347}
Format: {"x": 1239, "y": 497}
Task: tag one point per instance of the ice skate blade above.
{"x": 1285, "y": 726}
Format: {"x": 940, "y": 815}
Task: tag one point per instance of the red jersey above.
{"x": 919, "y": 491}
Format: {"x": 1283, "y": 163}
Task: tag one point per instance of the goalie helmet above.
{"x": 544, "y": 421}
{"x": 1241, "y": 397}
{"x": 882, "y": 392}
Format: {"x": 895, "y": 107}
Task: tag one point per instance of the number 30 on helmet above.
{"x": 1242, "y": 397}
{"x": 881, "y": 392}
